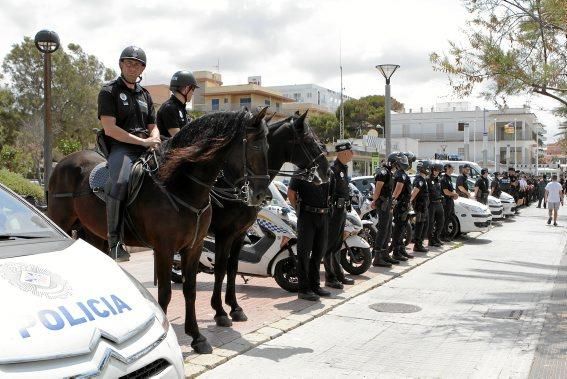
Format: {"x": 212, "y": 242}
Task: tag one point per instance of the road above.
{"x": 495, "y": 307}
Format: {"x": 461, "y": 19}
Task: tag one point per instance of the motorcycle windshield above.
{"x": 277, "y": 198}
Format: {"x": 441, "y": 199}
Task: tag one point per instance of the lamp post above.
{"x": 515, "y": 147}
{"x": 47, "y": 42}
{"x": 387, "y": 71}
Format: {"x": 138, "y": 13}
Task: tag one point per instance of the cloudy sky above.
{"x": 284, "y": 41}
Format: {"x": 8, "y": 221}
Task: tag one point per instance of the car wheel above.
{"x": 453, "y": 228}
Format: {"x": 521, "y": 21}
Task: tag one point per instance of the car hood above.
{"x": 472, "y": 203}
{"x": 61, "y": 303}
{"x": 506, "y": 196}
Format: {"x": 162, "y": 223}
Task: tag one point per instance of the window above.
{"x": 309, "y": 95}
{"x": 277, "y": 106}
{"x": 267, "y": 102}
{"x": 215, "y": 104}
{"x": 439, "y": 133}
{"x": 226, "y": 100}
{"x": 246, "y": 102}
{"x": 405, "y": 130}
{"x": 461, "y": 151}
{"x": 297, "y": 96}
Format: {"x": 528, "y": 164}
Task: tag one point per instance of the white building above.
{"x": 444, "y": 129}
{"x": 312, "y": 94}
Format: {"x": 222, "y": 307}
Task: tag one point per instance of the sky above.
{"x": 283, "y": 41}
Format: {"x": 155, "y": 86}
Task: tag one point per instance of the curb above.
{"x": 198, "y": 364}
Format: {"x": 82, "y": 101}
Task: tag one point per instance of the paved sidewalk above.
{"x": 481, "y": 314}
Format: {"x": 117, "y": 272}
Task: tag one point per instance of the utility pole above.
{"x": 341, "y": 111}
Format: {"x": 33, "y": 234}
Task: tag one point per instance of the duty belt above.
{"x": 311, "y": 209}
{"x": 436, "y": 201}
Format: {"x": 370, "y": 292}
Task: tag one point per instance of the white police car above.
{"x": 69, "y": 311}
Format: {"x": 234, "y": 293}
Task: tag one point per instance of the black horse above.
{"x": 289, "y": 140}
{"x": 172, "y": 211}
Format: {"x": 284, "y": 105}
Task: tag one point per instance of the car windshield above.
{"x": 19, "y": 220}
{"x": 277, "y": 198}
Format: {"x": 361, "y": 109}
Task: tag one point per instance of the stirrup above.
{"x": 118, "y": 253}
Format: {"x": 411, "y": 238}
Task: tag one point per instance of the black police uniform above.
{"x": 340, "y": 202}
{"x": 448, "y": 202}
{"x": 401, "y": 211}
{"x": 483, "y": 192}
{"x": 436, "y": 212}
{"x": 312, "y": 230}
{"x": 421, "y": 209}
{"x": 171, "y": 115}
{"x": 505, "y": 183}
{"x": 384, "y": 209}
{"x": 495, "y": 188}
{"x": 462, "y": 181}
{"x": 514, "y": 187}
{"x": 134, "y": 111}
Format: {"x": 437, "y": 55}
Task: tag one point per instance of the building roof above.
{"x": 245, "y": 89}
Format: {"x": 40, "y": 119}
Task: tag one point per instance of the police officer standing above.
{"x": 449, "y": 196}
{"x": 172, "y": 115}
{"x": 126, "y": 112}
{"x": 495, "y": 189}
{"x": 401, "y": 204}
{"x": 462, "y": 182}
{"x": 420, "y": 200}
{"x": 482, "y": 187}
{"x": 436, "y": 212}
{"x": 312, "y": 203}
{"x": 340, "y": 202}
{"x": 382, "y": 202}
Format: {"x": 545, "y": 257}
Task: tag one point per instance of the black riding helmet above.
{"x": 484, "y": 171}
{"x": 399, "y": 160}
{"x": 437, "y": 165}
{"x": 411, "y": 157}
{"x": 182, "y": 79}
{"x": 135, "y": 53}
{"x": 423, "y": 167}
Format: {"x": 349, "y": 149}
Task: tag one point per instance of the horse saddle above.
{"x": 100, "y": 174}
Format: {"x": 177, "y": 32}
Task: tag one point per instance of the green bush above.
{"x": 15, "y": 159}
{"x": 21, "y": 185}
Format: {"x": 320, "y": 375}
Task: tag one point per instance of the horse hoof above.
{"x": 238, "y": 315}
{"x": 223, "y": 321}
{"x": 202, "y": 346}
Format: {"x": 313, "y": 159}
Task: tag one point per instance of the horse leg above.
{"x": 222, "y": 249}
{"x": 190, "y": 262}
{"x": 236, "y": 313}
{"x": 164, "y": 262}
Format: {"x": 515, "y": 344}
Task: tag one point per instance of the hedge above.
{"x": 21, "y": 185}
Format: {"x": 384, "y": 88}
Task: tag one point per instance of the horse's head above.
{"x": 246, "y": 167}
{"x": 300, "y": 146}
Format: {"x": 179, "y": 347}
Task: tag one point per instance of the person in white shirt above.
{"x": 553, "y": 197}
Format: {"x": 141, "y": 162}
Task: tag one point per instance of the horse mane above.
{"x": 200, "y": 141}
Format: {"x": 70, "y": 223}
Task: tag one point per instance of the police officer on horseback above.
{"x": 126, "y": 112}
{"x": 340, "y": 201}
{"x": 482, "y": 187}
{"x": 382, "y": 202}
{"x": 172, "y": 115}
{"x": 420, "y": 200}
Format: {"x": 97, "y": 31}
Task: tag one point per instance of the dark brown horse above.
{"x": 172, "y": 211}
{"x": 289, "y": 140}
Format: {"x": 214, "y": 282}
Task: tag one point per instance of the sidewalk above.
{"x": 479, "y": 312}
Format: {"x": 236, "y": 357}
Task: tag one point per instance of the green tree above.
{"x": 512, "y": 47}
{"x": 76, "y": 80}
{"x": 366, "y": 113}
{"x": 325, "y": 126}
{"x": 67, "y": 146}
{"x": 10, "y": 118}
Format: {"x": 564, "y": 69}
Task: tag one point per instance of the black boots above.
{"x": 114, "y": 221}
{"x": 379, "y": 259}
{"x": 418, "y": 247}
{"x": 400, "y": 254}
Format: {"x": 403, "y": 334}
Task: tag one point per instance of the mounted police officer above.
{"x": 126, "y": 112}
{"x": 401, "y": 204}
{"x": 382, "y": 202}
{"x": 340, "y": 201}
{"x": 463, "y": 182}
{"x": 420, "y": 200}
{"x": 495, "y": 189}
{"x": 172, "y": 115}
{"x": 436, "y": 212}
{"x": 449, "y": 197}
{"x": 313, "y": 205}
{"x": 482, "y": 187}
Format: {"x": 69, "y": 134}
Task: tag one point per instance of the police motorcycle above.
{"x": 356, "y": 252}
{"x": 269, "y": 248}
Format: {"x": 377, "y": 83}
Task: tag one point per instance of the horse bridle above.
{"x": 310, "y": 170}
{"x": 234, "y": 192}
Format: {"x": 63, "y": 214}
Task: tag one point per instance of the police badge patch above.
{"x": 342, "y": 175}
{"x": 383, "y": 171}
{"x": 36, "y": 280}
{"x": 404, "y": 176}
{"x": 123, "y": 96}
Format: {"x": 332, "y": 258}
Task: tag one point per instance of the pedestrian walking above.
{"x": 340, "y": 203}
{"x": 553, "y": 197}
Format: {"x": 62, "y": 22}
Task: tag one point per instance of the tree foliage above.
{"x": 366, "y": 113}
{"x": 512, "y": 47}
{"x": 10, "y": 118}
{"x": 76, "y": 80}
{"x": 325, "y": 126}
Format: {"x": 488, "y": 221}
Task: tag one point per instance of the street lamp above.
{"x": 47, "y": 42}
{"x": 387, "y": 71}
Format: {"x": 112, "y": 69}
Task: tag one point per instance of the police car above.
{"x": 68, "y": 310}
{"x": 495, "y": 205}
